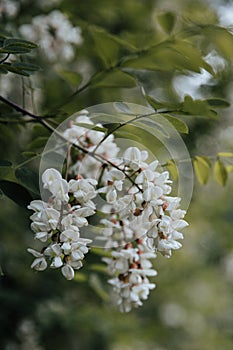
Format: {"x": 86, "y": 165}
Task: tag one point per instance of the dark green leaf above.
{"x": 218, "y": 103}
{"x": 38, "y": 143}
{"x": 5, "y": 163}
{"x": 29, "y": 154}
{"x": 28, "y": 178}
{"x": 5, "y": 168}
{"x": 20, "y": 42}
{"x": 29, "y": 67}
{"x": 16, "y": 192}
{"x": 15, "y": 70}
{"x": 3, "y": 70}
{"x": 40, "y": 130}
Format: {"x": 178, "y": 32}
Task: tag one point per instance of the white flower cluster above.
{"x": 140, "y": 210}
{"x": 89, "y": 138}
{"x": 139, "y": 218}
{"x": 54, "y": 34}
{"x": 57, "y": 222}
{"x": 8, "y": 8}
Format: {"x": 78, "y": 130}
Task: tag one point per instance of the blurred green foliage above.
{"x": 131, "y": 49}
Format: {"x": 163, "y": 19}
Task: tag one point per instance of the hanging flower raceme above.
{"x": 57, "y": 222}
{"x": 138, "y": 220}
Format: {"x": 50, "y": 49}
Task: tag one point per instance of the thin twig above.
{"x": 5, "y": 58}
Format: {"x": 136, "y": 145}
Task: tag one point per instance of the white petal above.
{"x": 35, "y": 253}
{"x": 67, "y": 272}
{"x": 39, "y": 264}
{"x": 49, "y": 176}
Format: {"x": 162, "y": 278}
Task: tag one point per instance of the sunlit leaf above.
{"x": 202, "y": 169}
{"x": 197, "y": 107}
{"x": 178, "y": 124}
{"x": 225, "y": 154}
{"x": 170, "y": 55}
{"x": 220, "y": 172}
{"x": 171, "y": 167}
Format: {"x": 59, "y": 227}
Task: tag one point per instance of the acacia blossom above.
{"x": 58, "y": 221}
{"x": 54, "y": 34}
{"x": 138, "y": 220}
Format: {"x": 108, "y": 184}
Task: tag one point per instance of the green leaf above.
{"x": 20, "y": 42}
{"x": 100, "y": 252}
{"x": 28, "y": 178}
{"x": 38, "y": 143}
{"x": 197, "y": 107}
{"x": 179, "y": 124}
{"x": 202, "y": 169}
{"x": 73, "y": 78}
{"x": 108, "y": 46}
{"x": 92, "y": 127}
{"x": 229, "y": 168}
{"x": 40, "y": 130}
{"x": 167, "y": 21}
{"x": 5, "y": 168}
{"x": 3, "y": 70}
{"x": 97, "y": 286}
{"x": 218, "y": 103}
{"x": 171, "y": 167}
{"x": 29, "y": 67}
{"x": 169, "y": 56}
{"x": 225, "y": 154}
{"x": 5, "y": 163}
{"x": 16, "y": 192}
{"x": 14, "y": 50}
{"x": 221, "y": 38}
{"x": 98, "y": 268}
{"x": 29, "y": 154}
{"x": 80, "y": 277}
{"x": 15, "y": 70}
{"x": 123, "y": 107}
{"x": 220, "y": 172}
{"x": 53, "y": 158}
{"x": 114, "y": 78}
{"x": 122, "y": 134}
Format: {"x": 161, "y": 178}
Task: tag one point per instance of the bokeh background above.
{"x": 192, "y": 305}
